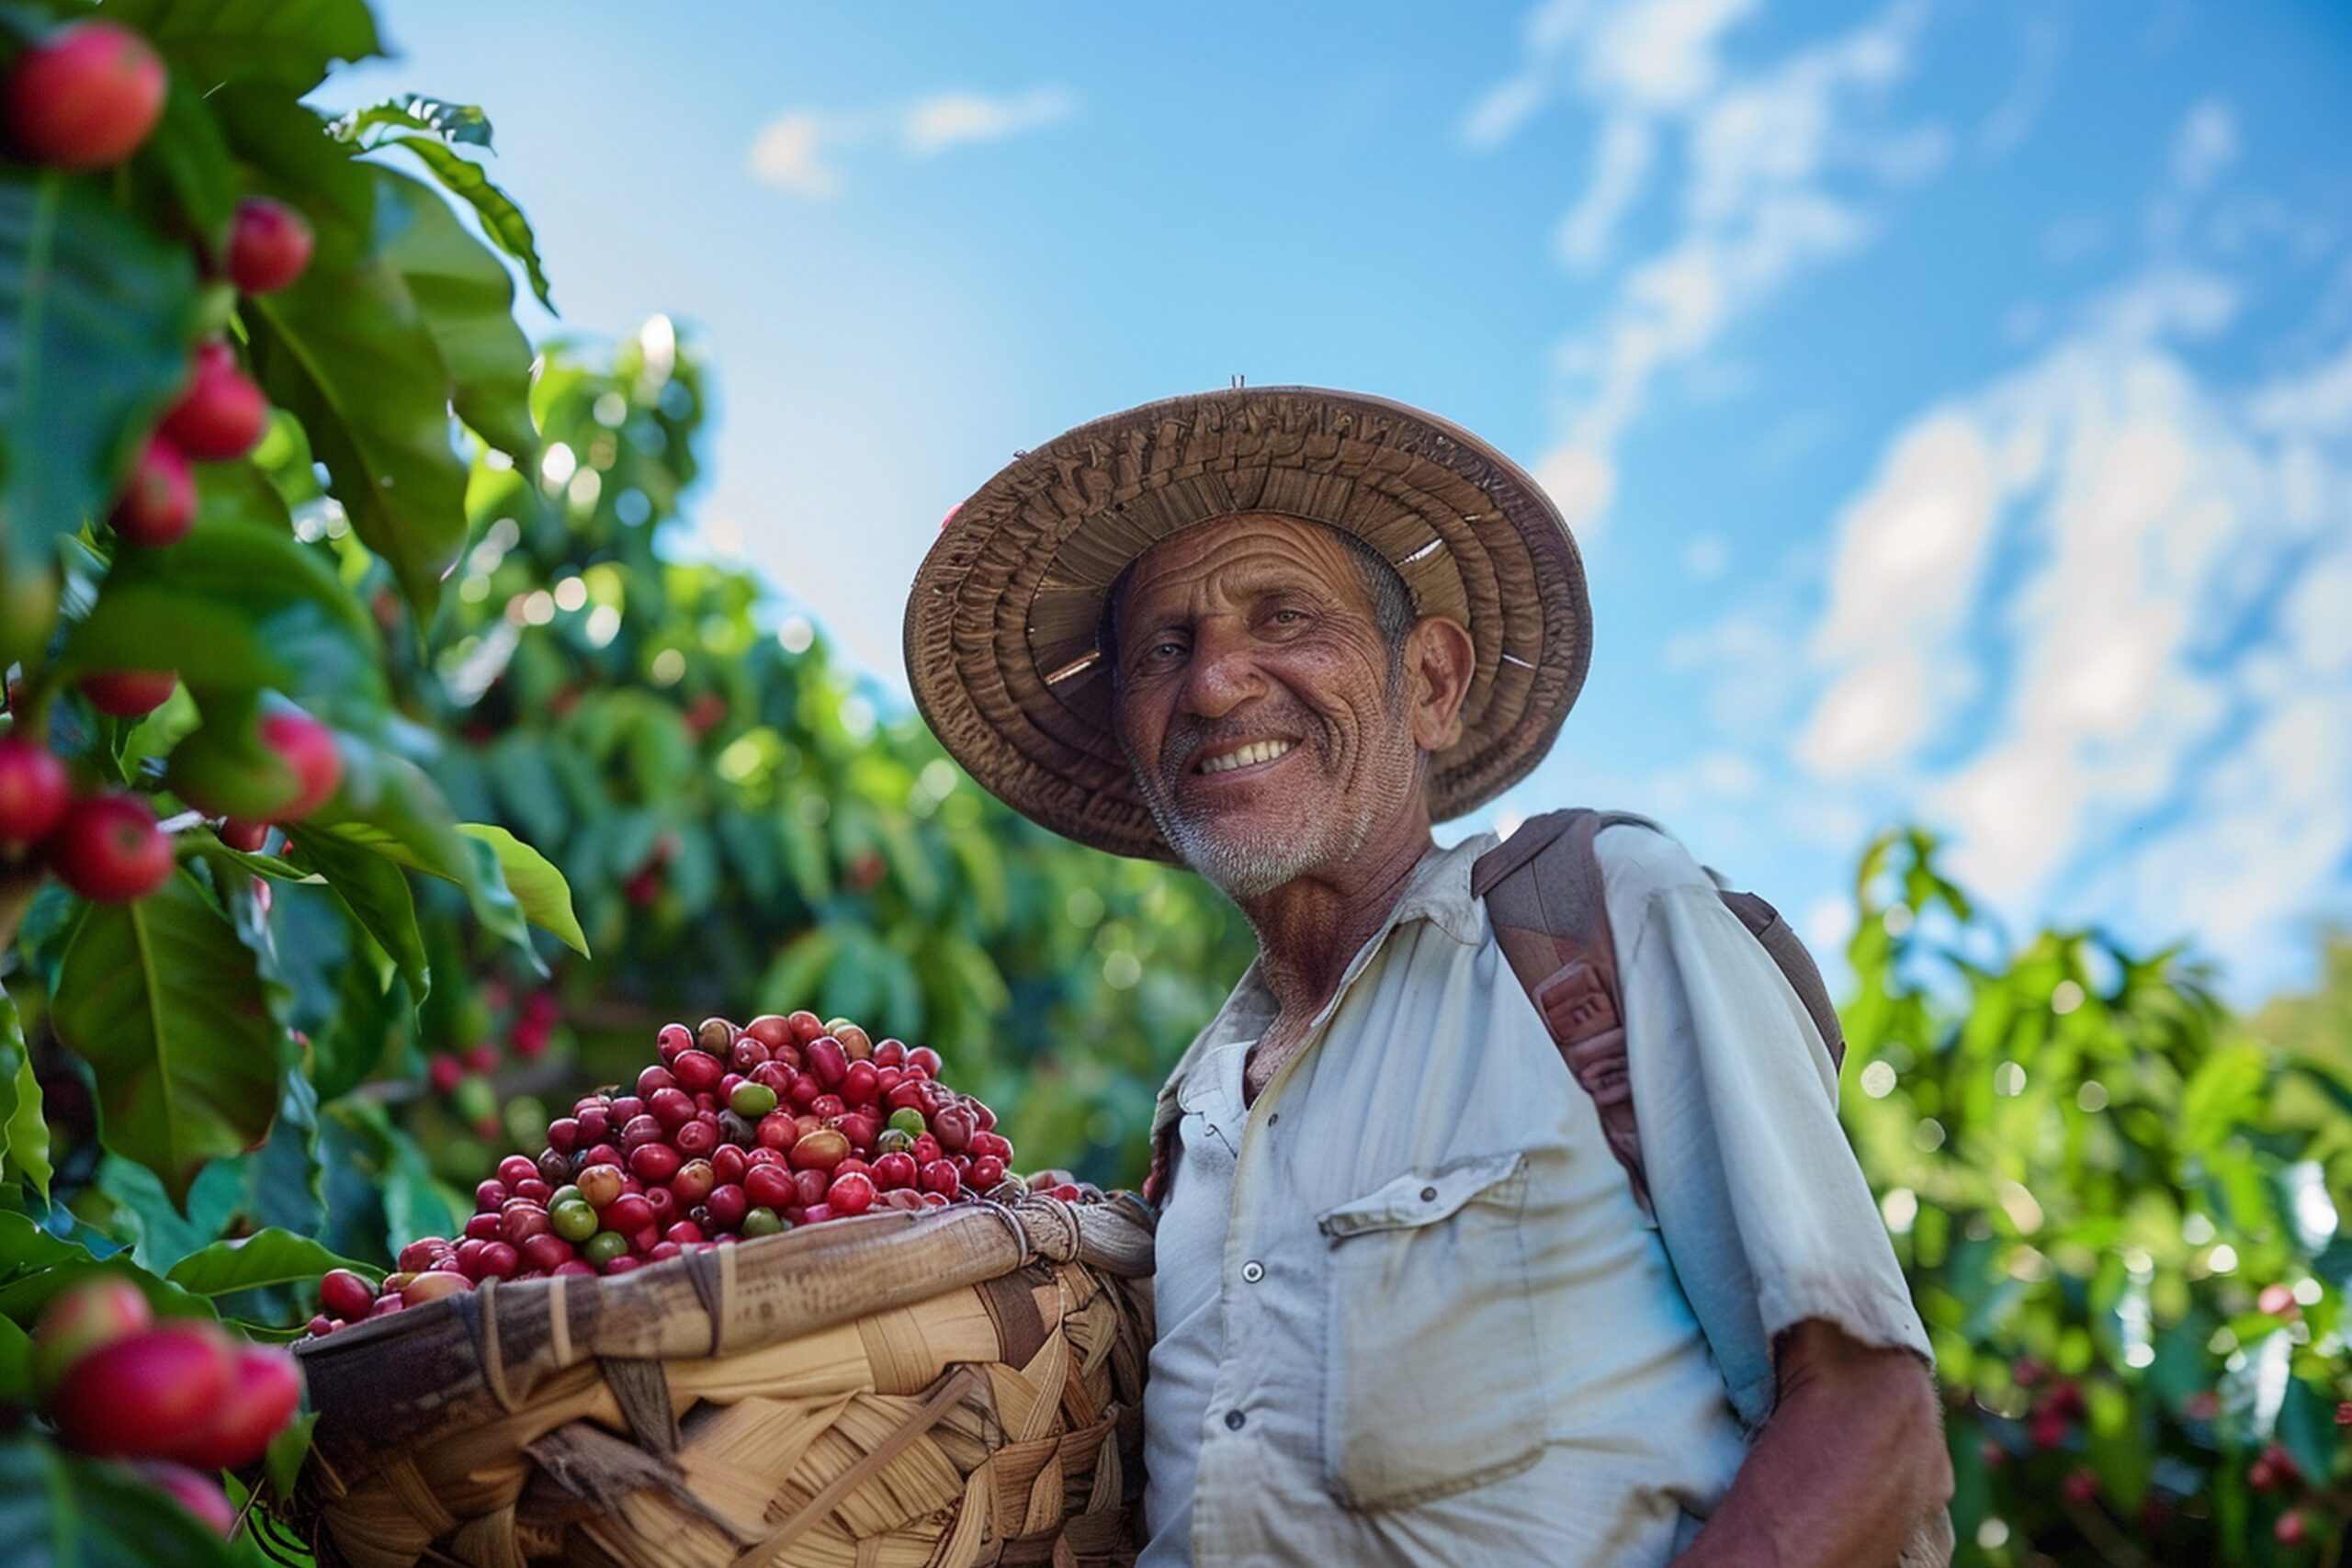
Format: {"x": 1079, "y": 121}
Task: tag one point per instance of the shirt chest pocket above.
{"x": 1431, "y": 1383}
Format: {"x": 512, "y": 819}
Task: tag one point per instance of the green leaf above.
{"x": 501, "y": 219}
{"x": 2307, "y": 1428}
{"x": 265, "y": 1257}
{"x": 283, "y": 1461}
{"x": 188, "y": 157}
{"x": 467, "y": 301}
{"x": 288, "y": 44}
{"x": 16, "y": 1363}
{"x": 169, "y": 1008}
{"x": 391, "y": 807}
{"x": 536, "y": 884}
{"x": 376, "y": 894}
{"x": 23, "y": 1133}
{"x": 347, "y": 352}
{"x": 95, "y": 317}
{"x": 450, "y": 122}
{"x": 59, "y": 1510}
{"x": 236, "y": 607}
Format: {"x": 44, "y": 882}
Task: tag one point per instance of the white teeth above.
{"x": 1256, "y": 751}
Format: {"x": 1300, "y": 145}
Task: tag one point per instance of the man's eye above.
{"x": 1288, "y": 617}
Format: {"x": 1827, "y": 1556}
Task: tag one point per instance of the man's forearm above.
{"x": 1849, "y": 1464}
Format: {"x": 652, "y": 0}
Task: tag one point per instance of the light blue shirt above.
{"x": 1408, "y": 1311}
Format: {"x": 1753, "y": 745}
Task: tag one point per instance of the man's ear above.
{"x": 1438, "y": 664}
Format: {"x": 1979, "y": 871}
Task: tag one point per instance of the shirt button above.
{"x": 1233, "y": 1419}
{"x": 1253, "y": 1270}
{"x": 1429, "y": 1194}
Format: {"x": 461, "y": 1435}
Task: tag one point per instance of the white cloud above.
{"x": 950, "y": 118}
{"x": 789, "y": 154}
{"x": 2207, "y": 144}
{"x": 1767, "y": 155}
{"x": 2141, "y": 751}
{"x": 798, "y": 151}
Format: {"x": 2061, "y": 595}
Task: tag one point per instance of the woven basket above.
{"x": 929, "y": 1390}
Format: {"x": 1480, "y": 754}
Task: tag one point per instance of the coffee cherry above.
{"x": 628, "y": 1213}
{"x": 603, "y": 1249}
{"x": 890, "y": 1053}
{"x": 715, "y": 1035}
{"x": 308, "y": 748}
{"x": 108, "y": 849}
{"x": 77, "y": 1321}
{"x": 940, "y": 1176}
{"x": 750, "y": 1100}
{"x": 265, "y": 1386}
{"x": 696, "y": 1138}
{"x": 600, "y": 1184}
{"x": 728, "y": 1203}
{"x": 158, "y": 506}
{"x": 269, "y": 245}
{"x": 895, "y": 1170}
{"x": 129, "y": 693}
{"x": 827, "y": 1062}
{"x": 572, "y": 1221}
{"x": 199, "y": 1494}
{"x": 35, "y": 791}
{"x": 345, "y": 1293}
{"x": 924, "y": 1058}
{"x": 762, "y": 1222}
{"x": 987, "y": 1171}
{"x": 850, "y": 1194}
{"x": 86, "y": 98}
{"x": 138, "y": 1396}
{"x": 547, "y": 1252}
{"x": 764, "y": 1186}
{"x": 433, "y": 1286}
{"x": 223, "y": 413}
{"x": 697, "y": 1070}
{"x": 653, "y": 1162}
{"x": 908, "y": 1119}
{"x": 819, "y": 1150}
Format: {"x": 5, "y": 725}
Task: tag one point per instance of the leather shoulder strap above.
{"x": 1547, "y": 904}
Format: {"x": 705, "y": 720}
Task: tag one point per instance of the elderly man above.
{"x": 1411, "y": 1308}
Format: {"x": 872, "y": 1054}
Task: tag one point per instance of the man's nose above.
{"x": 1222, "y": 676}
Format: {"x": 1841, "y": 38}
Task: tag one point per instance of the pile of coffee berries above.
{"x": 180, "y": 1398}
{"x": 734, "y": 1134}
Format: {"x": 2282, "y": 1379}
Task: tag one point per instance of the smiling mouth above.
{"x": 1242, "y": 756}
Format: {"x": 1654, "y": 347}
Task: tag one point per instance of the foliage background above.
{"x": 2117, "y": 1203}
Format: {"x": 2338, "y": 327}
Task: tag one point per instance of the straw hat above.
{"x": 1003, "y": 619}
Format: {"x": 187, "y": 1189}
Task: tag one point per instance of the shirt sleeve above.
{"x": 1758, "y": 1198}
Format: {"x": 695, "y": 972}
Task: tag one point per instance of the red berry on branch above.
{"x": 79, "y": 1320}
{"x": 158, "y": 506}
{"x": 251, "y": 836}
{"x": 129, "y": 693}
{"x": 137, "y": 1397}
{"x": 35, "y": 791}
{"x": 199, "y": 1495}
{"x": 309, "y": 748}
{"x": 269, "y": 245}
{"x": 108, "y": 849}
{"x": 265, "y": 1387}
{"x": 2082, "y": 1487}
{"x": 223, "y": 413}
{"x": 87, "y": 98}
{"x": 2292, "y": 1529}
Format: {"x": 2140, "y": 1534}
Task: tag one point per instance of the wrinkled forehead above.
{"x": 1236, "y": 557}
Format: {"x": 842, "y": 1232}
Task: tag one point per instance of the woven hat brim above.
{"x": 1001, "y": 622}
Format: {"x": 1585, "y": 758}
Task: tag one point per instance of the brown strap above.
{"x": 1547, "y": 904}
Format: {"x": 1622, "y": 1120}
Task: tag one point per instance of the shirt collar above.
{"x": 1438, "y": 891}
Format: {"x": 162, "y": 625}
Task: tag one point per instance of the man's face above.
{"x": 1255, "y": 705}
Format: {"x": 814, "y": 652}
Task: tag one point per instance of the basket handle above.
{"x": 950, "y": 1393}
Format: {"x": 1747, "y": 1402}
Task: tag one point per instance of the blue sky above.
{"x": 1954, "y": 400}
